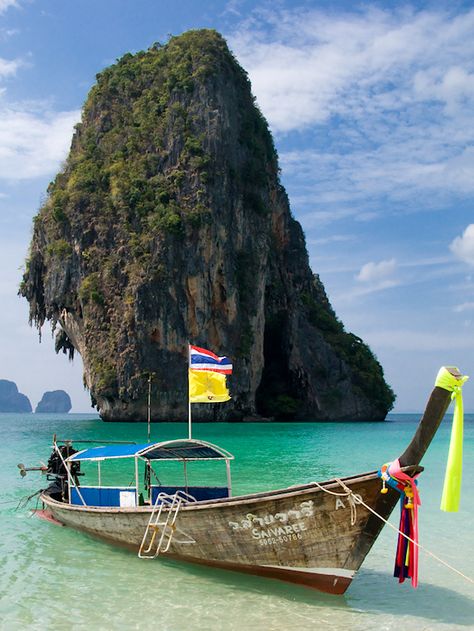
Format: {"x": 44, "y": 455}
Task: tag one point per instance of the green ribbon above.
{"x": 453, "y": 476}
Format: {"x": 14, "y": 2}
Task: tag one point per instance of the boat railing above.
{"x": 160, "y": 529}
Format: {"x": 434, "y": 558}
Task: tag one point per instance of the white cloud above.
{"x": 454, "y": 87}
{"x": 431, "y": 162}
{"x": 5, "y": 33}
{"x": 6, "y": 4}
{"x": 371, "y": 278}
{"x": 377, "y": 272}
{"x": 415, "y": 340}
{"x": 334, "y": 238}
{"x": 33, "y": 140}
{"x": 465, "y": 306}
{"x": 233, "y": 7}
{"x": 463, "y": 246}
{"x": 371, "y": 288}
{"x": 307, "y": 66}
{"x": 426, "y": 262}
{"x": 387, "y": 96}
{"x": 8, "y": 68}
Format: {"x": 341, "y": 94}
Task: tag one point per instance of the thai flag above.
{"x": 201, "y": 359}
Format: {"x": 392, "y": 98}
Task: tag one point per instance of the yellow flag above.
{"x": 206, "y": 386}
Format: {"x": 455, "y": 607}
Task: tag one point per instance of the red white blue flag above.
{"x": 201, "y": 359}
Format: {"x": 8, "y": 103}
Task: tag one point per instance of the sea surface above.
{"x": 56, "y": 578}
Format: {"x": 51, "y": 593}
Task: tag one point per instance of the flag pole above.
{"x": 189, "y": 397}
{"x": 149, "y": 407}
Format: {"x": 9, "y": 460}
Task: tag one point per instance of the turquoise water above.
{"x": 56, "y": 578}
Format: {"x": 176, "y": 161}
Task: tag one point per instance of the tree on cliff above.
{"x": 169, "y": 224}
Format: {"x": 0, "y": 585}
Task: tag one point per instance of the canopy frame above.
{"x": 168, "y": 451}
{"x": 142, "y": 451}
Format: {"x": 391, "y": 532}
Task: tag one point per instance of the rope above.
{"x": 349, "y": 494}
{"x": 323, "y": 488}
{"x": 23, "y": 503}
{"x": 358, "y": 500}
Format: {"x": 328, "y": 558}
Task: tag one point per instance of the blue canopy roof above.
{"x": 185, "y": 449}
{"x": 109, "y": 451}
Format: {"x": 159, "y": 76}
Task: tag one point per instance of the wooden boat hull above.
{"x": 302, "y": 534}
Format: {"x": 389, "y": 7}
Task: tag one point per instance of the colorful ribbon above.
{"x": 406, "y": 560}
{"x": 453, "y": 476}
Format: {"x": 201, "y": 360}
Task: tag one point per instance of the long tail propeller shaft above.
{"x": 24, "y": 470}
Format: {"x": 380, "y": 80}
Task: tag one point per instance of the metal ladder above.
{"x": 159, "y": 532}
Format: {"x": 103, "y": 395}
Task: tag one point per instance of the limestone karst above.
{"x": 168, "y": 224}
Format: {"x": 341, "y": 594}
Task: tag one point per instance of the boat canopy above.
{"x": 183, "y": 449}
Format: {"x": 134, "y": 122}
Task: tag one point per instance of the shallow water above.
{"x": 56, "y": 578}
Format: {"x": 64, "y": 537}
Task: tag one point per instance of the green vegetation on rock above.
{"x": 168, "y": 224}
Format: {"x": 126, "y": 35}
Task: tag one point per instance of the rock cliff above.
{"x": 168, "y": 224}
{"x": 55, "y": 401}
{"x": 11, "y": 400}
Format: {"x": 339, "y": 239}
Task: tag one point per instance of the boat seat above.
{"x": 104, "y": 495}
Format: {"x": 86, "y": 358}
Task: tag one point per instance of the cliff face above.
{"x": 168, "y": 224}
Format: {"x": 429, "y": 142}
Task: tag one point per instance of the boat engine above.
{"x": 57, "y": 473}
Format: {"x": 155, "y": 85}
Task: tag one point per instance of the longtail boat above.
{"x": 315, "y": 534}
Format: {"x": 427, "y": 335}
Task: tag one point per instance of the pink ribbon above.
{"x": 395, "y": 471}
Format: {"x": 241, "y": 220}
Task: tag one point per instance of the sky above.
{"x": 372, "y": 110}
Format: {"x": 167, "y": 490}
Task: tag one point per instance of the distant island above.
{"x": 56, "y": 402}
{"x": 11, "y": 400}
